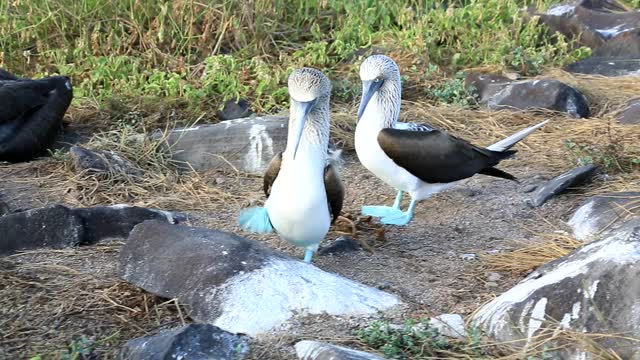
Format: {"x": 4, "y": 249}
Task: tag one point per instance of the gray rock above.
{"x": 234, "y": 110}
{"x": 590, "y": 22}
{"x": 49, "y": 227}
{"x": 343, "y": 244}
{"x": 450, "y": 325}
{"x": 497, "y": 92}
{"x": 603, "y": 213}
{"x": 117, "y": 221}
{"x": 315, "y": 350}
{"x": 91, "y": 161}
{"x": 194, "y": 341}
{"x": 246, "y": 144}
{"x": 605, "y": 66}
{"x": 58, "y": 226}
{"x": 631, "y": 114}
{"x": 492, "y": 276}
{"x": 560, "y": 183}
{"x": 595, "y": 289}
{"x": 238, "y": 284}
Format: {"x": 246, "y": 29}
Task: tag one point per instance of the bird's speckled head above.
{"x": 379, "y": 67}
{"x": 308, "y": 84}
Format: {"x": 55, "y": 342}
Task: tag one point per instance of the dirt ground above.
{"x": 51, "y": 298}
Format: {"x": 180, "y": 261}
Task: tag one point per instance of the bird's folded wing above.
{"x": 270, "y": 175}
{"x": 435, "y": 156}
{"x": 335, "y": 190}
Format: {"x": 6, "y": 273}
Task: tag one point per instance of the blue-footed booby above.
{"x": 302, "y": 185}
{"x": 414, "y": 158}
{"x": 31, "y": 113}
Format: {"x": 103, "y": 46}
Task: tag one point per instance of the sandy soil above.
{"x": 432, "y": 264}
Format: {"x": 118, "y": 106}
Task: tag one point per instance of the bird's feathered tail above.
{"x": 507, "y": 143}
{"x": 255, "y": 219}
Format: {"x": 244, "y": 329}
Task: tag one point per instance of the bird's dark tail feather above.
{"x": 491, "y": 171}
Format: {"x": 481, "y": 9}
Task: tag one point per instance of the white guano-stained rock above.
{"x": 238, "y": 284}
{"x": 595, "y": 289}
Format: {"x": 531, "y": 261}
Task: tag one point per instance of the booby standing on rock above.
{"x": 31, "y": 113}
{"x": 304, "y": 191}
{"x": 414, "y": 158}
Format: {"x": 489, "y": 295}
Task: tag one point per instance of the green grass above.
{"x": 206, "y": 52}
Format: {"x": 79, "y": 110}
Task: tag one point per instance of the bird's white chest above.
{"x": 298, "y": 207}
{"x": 375, "y": 160}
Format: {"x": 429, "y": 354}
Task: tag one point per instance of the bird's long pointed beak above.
{"x": 301, "y": 111}
{"x": 368, "y": 89}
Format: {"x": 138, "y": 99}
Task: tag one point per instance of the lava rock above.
{"x": 58, "y": 226}
{"x": 631, "y": 114}
{"x": 92, "y": 161}
{"x": 604, "y": 212}
{"x": 593, "y": 290}
{"x": 590, "y": 22}
{"x": 625, "y": 45}
{"x": 5, "y": 75}
{"x": 605, "y": 66}
{"x": 246, "y": 144}
{"x": 560, "y": 183}
{"x": 49, "y": 227}
{"x": 235, "y": 283}
{"x": 315, "y": 350}
{"x": 234, "y": 110}
{"x": 117, "y": 221}
{"x": 498, "y": 93}
{"x": 343, "y": 244}
{"x": 194, "y": 341}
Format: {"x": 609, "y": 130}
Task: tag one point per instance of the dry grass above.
{"x": 59, "y": 296}
{"x": 530, "y": 256}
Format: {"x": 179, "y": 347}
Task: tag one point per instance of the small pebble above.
{"x": 530, "y": 188}
{"x": 491, "y": 284}
{"x": 493, "y": 277}
{"x": 219, "y": 181}
{"x": 468, "y": 256}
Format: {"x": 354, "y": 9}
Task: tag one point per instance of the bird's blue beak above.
{"x": 369, "y": 88}
{"x": 301, "y": 110}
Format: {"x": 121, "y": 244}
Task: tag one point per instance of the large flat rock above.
{"x": 246, "y": 144}
{"x": 595, "y": 289}
{"x": 604, "y": 212}
{"x": 238, "y": 284}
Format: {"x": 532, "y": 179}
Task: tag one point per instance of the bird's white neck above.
{"x": 383, "y": 109}
{"x": 312, "y": 150}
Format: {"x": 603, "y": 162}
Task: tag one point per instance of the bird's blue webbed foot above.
{"x": 402, "y": 219}
{"x": 384, "y": 211}
{"x": 380, "y": 211}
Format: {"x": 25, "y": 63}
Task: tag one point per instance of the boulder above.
{"x": 561, "y": 183}
{"x": 234, "y": 110}
{"x": 116, "y": 221}
{"x": 246, "y": 144}
{"x": 58, "y": 226}
{"x": 497, "y": 92}
{"x": 91, "y": 161}
{"x": 315, "y": 350}
{"x": 606, "y": 66}
{"x": 238, "y": 284}
{"x": 604, "y": 212}
{"x": 630, "y": 115}
{"x": 624, "y": 46}
{"x": 194, "y": 341}
{"x": 53, "y": 226}
{"x": 593, "y": 290}
{"x": 591, "y": 22}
